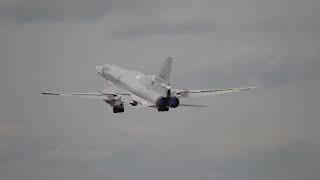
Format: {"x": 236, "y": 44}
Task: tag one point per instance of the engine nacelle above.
{"x": 174, "y": 102}
{"x": 162, "y": 102}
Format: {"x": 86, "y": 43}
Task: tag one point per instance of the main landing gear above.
{"x": 118, "y": 110}
{"x": 162, "y": 109}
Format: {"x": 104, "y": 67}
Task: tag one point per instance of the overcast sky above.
{"x": 269, "y": 133}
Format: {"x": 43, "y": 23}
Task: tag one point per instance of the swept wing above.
{"x": 91, "y": 95}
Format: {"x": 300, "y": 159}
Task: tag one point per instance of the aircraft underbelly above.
{"x": 135, "y": 87}
{"x": 141, "y": 91}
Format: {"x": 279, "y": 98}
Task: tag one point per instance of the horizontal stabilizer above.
{"x": 192, "y": 105}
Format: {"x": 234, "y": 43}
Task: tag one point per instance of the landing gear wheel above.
{"x": 162, "y": 109}
{"x": 118, "y": 110}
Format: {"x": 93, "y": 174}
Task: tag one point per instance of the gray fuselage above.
{"x": 147, "y": 87}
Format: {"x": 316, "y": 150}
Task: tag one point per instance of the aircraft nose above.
{"x": 99, "y": 69}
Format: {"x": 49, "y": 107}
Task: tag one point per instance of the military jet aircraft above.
{"x": 144, "y": 90}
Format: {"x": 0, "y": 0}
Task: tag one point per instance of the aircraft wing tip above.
{"x": 50, "y": 93}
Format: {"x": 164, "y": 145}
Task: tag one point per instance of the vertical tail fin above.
{"x": 165, "y": 71}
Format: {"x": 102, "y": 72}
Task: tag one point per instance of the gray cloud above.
{"x": 175, "y": 29}
{"x": 37, "y": 10}
{"x": 270, "y": 133}
{"x": 298, "y": 160}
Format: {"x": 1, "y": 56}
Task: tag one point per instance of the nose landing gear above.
{"x": 134, "y": 103}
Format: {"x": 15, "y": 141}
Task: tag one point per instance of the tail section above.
{"x": 165, "y": 71}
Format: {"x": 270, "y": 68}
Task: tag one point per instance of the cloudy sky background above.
{"x": 269, "y": 133}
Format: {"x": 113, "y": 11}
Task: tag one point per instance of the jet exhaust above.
{"x": 171, "y": 102}
{"x": 174, "y": 102}
{"x": 162, "y": 102}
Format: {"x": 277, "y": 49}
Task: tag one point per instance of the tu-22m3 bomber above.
{"x": 141, "y": 91}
